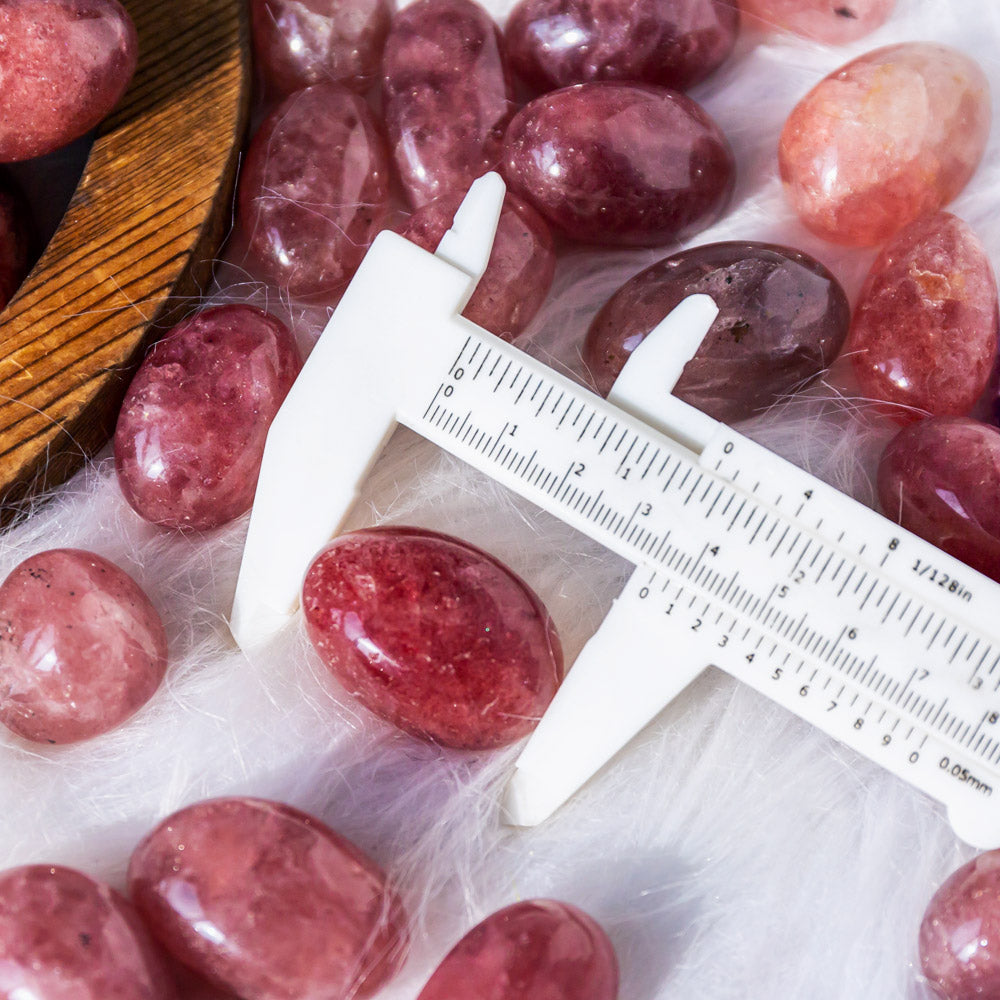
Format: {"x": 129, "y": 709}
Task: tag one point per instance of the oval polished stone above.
{"x": 538, "y": 949}
{"x": 448, "y": 96}
{"x": 64, "y": 936}
{"x": 433, "y": 635}
{"x": 834, "y": 22}
{"x": 267, "y": 902}
{"x": 81, "y": 647}
{"x": 520, "y": 269}
{"x": 883, "y": 140}
{"x": 64, "y": 65}
{"x": 16, "y": 237}
{"x": 940, "y": 479}
{"x": 620, "y": 164}
{"x": 298, "y": 43}
{"x": 782, "y": 319}
{"x": 314, "y": 191}
{"x": 190, "y": 435}
{"x": 924, "y": 333}
{"x": 670, "y": 43}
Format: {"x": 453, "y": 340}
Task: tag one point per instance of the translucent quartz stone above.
{"x": 314, "y": 191}
{"x": 298, "y": 43}
{"x": 64, "y": 936}
{"x": 16, "y": 233}
{"x": 267, "y": 902}
{"x": 924, "y": 333}
{"x": 448, "y": 96}
{"x": 81, "y": 647}
{"x": 782, "y": 319}
{"x": 535, "y": 950}
{"x": 671, "y": 43}
{"x": 433, "y": 635}
{"x": 620, "y": 164}
{"x": 834, "y": 22}
{"x": 885, "y": 139}
{"x": 940, "y": 479}
{"x": 521, "y": 266}
{"x": 64, "y": 65}
{"x": 190, "y": 435}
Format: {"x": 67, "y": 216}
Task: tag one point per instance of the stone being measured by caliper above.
{"x": 742, "y": 560}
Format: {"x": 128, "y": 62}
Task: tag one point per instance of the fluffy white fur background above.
{"x": 731, "y": 851}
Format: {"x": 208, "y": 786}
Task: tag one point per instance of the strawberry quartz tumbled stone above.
{"x": 268, "y": 903}
{"x": 433, "y": 635}
{"x": 81, "y": 647}
{"x": 834, "y": 22}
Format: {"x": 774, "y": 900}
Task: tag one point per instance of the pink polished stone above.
{"x": 298, "y": 43}
{"x": 433, "y": 635}
{"x": 520, "y": 269}
{"x": 940, "y": 479}
{"x": 670, "y": 43}
{"x": 924, "y": 333}
{"x": 268, "y": 903}
{"x": 314, "y": 191}
{"x": 448, "y": 96}
{"x": 190, "y": 435}
{"x": 16, "y": 233}
{"x": 620, "y": 164}
{"x": 891, "y": 136}
{"x": 64, "y": 65}
{"x": 535, "y": 950}
{"x": 782, "y": 319}
{"x": 64, "y": 936}
{"x": 81, "y": 647}
{"x": 834, "y": 22}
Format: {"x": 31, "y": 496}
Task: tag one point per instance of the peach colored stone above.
{"x": 835, "y": 22}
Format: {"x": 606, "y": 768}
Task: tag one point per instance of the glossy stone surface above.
{"x": 782, "y": 319}
{"x": 313, "y": 192}
{"x": 64, "y": 65}
{"x": 924, "y": 333}
{"x": 81, "y": 647}
{"x": 670, "y": 43}
{"x": 834, "y": 22}
{"x": 620, "y": 164}
{"x": 891, "y": 136}
{"x": 64, "y": 936}
{"x": 268, "y": 903}
{"x": 433, "y": 635}
{"x": 534, "y": 950}
{"x": 448, "y": 96}
{"x": 298, "y": 43}
{"x": 190, "y": 435}
{"x": 940, "y": 479}
{"x": 520, "y": 269}
{"x": 16, "y": 233}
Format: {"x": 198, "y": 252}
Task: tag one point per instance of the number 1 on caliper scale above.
{"x": 742, "y": 560}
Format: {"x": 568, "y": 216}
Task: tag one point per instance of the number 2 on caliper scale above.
{"x": 742, "y": 560}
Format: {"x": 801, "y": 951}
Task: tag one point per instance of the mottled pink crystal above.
{"x": 538, "y": 949}
{"x": 433, "y": 635}
{"x": 81, "y": 647}
{"x": 16, "y": 237}
{"x": 891, "y": 136}
{"x": 834, "y": 22}
{"x": 268, "y": 903}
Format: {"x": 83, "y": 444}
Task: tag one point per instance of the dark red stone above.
{"x": 267, "y": 903}
{"x": 16, "y": 237}
{"x": 448, "y": 96}
{"x": 520, "y": 269}
{"x": 940, "y": 479}
{"x": 313, "y": 192}
{"x": 620, "y": 164}
{"x": 64, "y": 65}
{"x": 670, "y": 43}
{"x": 782, "y": 319}
{"x": 433, "y": 635}
{"x": 81, "y": 647}
{"x": 64, "y": 936}
{"x": 535, "y": 950}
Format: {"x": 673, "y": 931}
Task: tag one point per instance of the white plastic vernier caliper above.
{"x": 742, "y": 560}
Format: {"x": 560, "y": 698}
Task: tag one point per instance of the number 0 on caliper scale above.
{"x": 742, "y": 560}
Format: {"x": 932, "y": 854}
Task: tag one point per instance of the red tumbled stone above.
{"x": 834, "y": 22}
{"x": 81, "y": 647}
{"x": 433, "y": 635}
{"x": 266, "y": 902}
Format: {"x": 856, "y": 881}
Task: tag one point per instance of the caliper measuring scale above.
{"x": 743, "y": 561}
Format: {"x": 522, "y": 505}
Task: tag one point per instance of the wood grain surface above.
{"x": 137, "y": 241}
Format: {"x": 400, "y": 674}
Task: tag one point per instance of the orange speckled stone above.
{"x": 834, "y": 22}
